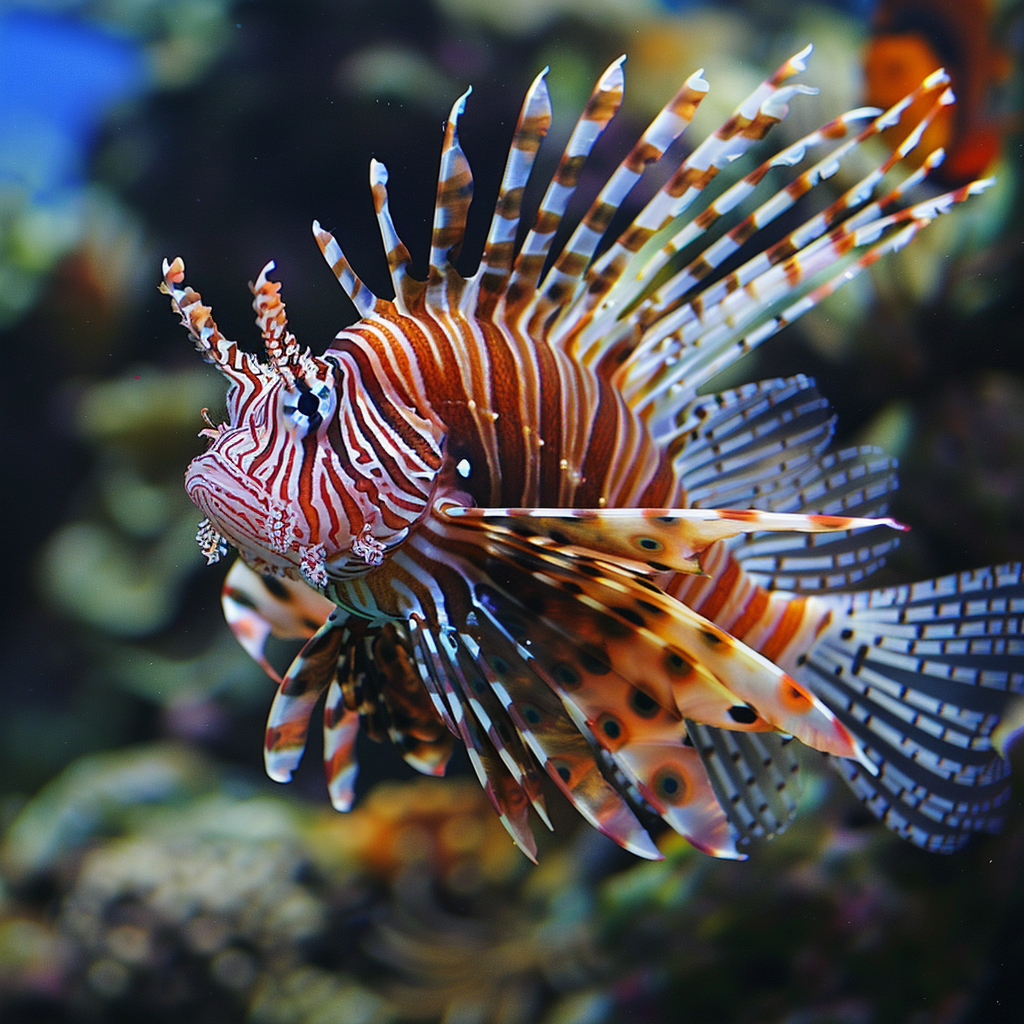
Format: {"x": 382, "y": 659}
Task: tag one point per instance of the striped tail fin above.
{"x": 922, "y": 675}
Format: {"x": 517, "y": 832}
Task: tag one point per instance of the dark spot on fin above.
{"x": 276, "y": 587}
{"x": 743, "y": 713}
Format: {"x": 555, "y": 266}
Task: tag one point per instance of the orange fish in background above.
{"x": 911, "y": 38}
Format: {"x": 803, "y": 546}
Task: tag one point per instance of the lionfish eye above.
{"x": 308, "y": 405}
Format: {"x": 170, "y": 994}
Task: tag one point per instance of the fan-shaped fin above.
{"x": 921, "y": 675}
{"x": 754, "y": 775}
{"x": 854, "y": 481}
{"x": 602, "y": 106}
{"x": 545, "y": 727}
{"x": 496, "y": 263}
{"x": 454, "y": 194}
{"x": 475, "y": 679}
{"x": 734, "y": 449}
{"x": 685, "y": 662}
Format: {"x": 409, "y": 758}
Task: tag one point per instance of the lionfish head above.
{"x": 272, "y": 483}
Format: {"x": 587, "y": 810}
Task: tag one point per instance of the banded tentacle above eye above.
{"x": 237, "y": 365}
{"x": 283, "y": 352}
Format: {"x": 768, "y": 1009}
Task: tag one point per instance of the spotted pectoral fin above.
{"x": 257, "y": 607}
{"x": 656, "y": 539}
{"x": 671, "y": 778}
{"x": 687, "y": 663}
{"x": 549, "y": 731}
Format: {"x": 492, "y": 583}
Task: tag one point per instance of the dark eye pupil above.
{"x": 308, "y": 405}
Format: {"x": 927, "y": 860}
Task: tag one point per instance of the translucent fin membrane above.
{"x": 920, "y": 674}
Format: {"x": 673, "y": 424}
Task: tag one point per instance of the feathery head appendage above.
{"x": 240, "y": 368}
{"x": 272, "y": 482}
{"x": 496, "y": 263}
{"x": 283, "y": 353}
{"x": 454, "y": 194}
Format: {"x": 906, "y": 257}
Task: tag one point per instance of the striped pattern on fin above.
{"x": 765, "y": 107}
{"x": 412, "y": 720}
{"x": 508, "y": 798}
{"x": 475, "y": 678}
{"x": 362, "y": 298}
{"x": 921, "y": 674}
{"x": 541, "y": 720}
{"x": 257, "y": 607}
{"x": 685, "y": 662}
{"x": 454, "y": 194}
{"x": 642, "y": 744}
{"x": 657, "y": 539}
{"x": 341, "y": 729}
{"x": 409, "y": 293}
{"x": 754, "y": 775}
{"x": 312, "y": 671}
{"x": 642, "y": 741}
{"x": 602, "y": 106}
{"x": 656, "y": 287}
{"x": 730, "y": 450}
{"x": 734, "y": 316}
{"x": 718, "y": 252}
{"x": 853, "y": 481}
{"x": 496, "y": 263}
{"x": 561, "y": 281}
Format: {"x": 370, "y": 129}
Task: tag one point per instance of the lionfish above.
{"x": 501, "y": 510}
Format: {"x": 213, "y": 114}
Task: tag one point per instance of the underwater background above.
{"x": 148, "y": 869}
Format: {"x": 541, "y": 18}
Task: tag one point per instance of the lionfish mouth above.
{"x": 241, "y": 512}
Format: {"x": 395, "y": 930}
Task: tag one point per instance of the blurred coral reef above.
{"x": 148, "y": 870}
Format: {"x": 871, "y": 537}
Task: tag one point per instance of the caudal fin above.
{"x": 922, "y": 675}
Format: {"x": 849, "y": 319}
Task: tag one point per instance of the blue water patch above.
{"x": 58, "y": 78}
